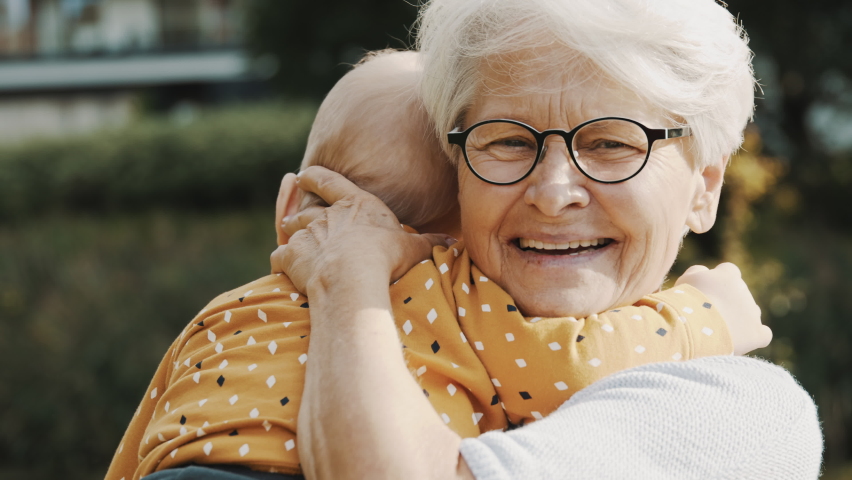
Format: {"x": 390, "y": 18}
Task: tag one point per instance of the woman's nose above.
{"x": 556, "y": 183}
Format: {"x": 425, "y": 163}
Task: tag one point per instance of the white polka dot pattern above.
{"x": 229, "y": 390}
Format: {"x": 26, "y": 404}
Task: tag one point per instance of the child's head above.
{"x": 372, "y": 128}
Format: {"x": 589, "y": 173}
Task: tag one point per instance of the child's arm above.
{"x": 570, "y": 354}
{"x": 725, "y": 289}
{"x": 708, "y": 312}
{"x": 712, "y": 312}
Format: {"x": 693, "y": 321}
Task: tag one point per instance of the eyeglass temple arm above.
{"x": 678, "y": 132}
{"x": 456, "y": 137}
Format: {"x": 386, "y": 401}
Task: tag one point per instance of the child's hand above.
{"x": 728, "y": 292}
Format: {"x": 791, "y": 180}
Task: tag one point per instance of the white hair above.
{"x": 690, "y": 58}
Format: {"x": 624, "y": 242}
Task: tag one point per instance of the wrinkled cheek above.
{"x": 476, "y": 239}
{"x": 642, "y": 264}
{"x": 666, "y": 250}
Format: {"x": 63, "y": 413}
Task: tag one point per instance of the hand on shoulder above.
{"x": 356, "y": 238}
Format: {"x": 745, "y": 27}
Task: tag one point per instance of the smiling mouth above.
{"x": 578, "y": 247}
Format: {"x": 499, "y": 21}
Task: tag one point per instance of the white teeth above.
{"x": 538, "y": 244}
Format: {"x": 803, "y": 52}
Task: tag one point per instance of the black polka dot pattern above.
{"x": 474, "y": 343}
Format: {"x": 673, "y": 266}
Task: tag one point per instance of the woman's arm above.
{"x": 718, "y": 417}
{"x": 715, "y": 417}
{"x": 362, "y": 413}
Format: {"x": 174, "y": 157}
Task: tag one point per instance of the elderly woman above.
{"x": 607, "y": 122}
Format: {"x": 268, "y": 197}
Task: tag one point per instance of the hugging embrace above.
{"x": 469, "y": 271}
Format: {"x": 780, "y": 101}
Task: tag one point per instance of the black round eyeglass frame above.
{"x": 653, "y": 134}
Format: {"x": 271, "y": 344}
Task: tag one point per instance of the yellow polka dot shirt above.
{"x": 229, "y": 388}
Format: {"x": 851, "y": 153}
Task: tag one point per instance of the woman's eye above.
{"x": 511, "y": 143}
{"x": 610, "y": 144}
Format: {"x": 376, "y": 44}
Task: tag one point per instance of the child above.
{"x": 372, "y": 129}
{"x": 228, "y": 390}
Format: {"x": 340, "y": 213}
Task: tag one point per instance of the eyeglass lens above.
{"x": 607, "y": 150}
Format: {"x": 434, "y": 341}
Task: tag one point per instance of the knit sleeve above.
{"x": 716, "y": 417}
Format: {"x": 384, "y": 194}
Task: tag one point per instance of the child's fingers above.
{"x": 690, "y": 271}
{"x": 766, "y": 334}
{"x": 695, "y": 269}
{"x": 729, "y": 268}
{"x": 294, "y": 223}
{"x": 330, "y": 186}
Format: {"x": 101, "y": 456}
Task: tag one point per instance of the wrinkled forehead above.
{"x": 554, "y": 88}
{"x": 540, "y": 69}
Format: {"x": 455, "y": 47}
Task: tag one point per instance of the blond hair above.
{"x": 373, "y": 129}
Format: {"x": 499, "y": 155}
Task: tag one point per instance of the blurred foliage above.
{"x": 804, "y": 62}
{"x": 801, "y": 275}
{"x": 227, "y": 158}
{"x": 88, "y": 306}
{"x": 96, "y": 280}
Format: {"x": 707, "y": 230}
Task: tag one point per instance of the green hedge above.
{"x": 88, "y": 306}
{"x": 109, "y": 244}
{"x": 233, "y": 157}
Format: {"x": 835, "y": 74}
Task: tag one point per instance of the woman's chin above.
{"x": 554, "y": 285}
{"x": 562, "y": 303}
{"x": 583, "y": 296}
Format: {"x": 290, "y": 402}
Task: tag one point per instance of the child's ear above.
{"x": 287, "y": 204}
{"x": 706, "y": 201}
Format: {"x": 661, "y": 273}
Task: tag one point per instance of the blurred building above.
{"x": 70, "y": 66}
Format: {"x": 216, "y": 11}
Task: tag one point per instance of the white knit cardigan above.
{"x": 711, "y": 418}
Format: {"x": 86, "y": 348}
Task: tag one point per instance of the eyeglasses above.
{"x": 607, "y": 150}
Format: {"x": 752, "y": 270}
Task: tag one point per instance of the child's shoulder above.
{"x": 271, "y": 293}
{"x": 267, "y": 309}
{"x": 269, "y": 288}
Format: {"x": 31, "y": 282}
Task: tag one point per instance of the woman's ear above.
{"x": 287, "y": 204}
{"x": 705, "y": 203}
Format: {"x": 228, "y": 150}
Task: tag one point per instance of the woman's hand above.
{"x": 725, "y": 288}
{"x": 356, "y": 235}
{"x": 343, "y": 257}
